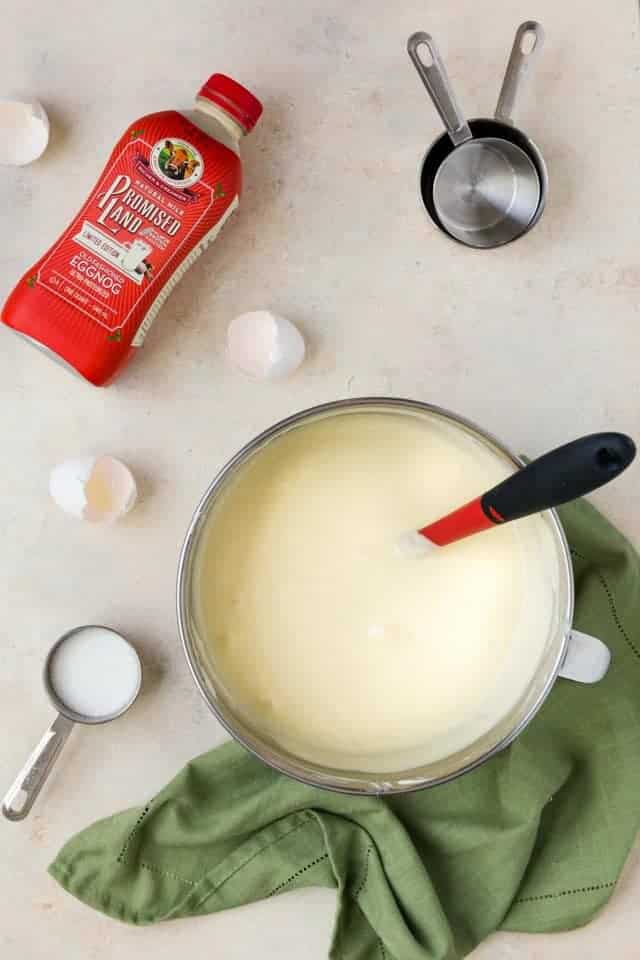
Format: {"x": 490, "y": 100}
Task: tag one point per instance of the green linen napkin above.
{"x": 533, "y": 840}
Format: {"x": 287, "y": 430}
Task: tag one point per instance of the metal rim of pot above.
{"x": 354, "y": 782}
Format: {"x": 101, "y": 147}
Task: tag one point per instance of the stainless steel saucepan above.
{"x": 567, "y": 653}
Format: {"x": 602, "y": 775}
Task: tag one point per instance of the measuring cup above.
{"x": 484, "y": 182}
{"x": 92, "y": 675}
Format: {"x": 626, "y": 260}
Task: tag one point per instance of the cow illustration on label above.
{"x": 178, "y": 161}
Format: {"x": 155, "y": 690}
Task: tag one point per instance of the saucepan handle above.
{"x": 587, "y": 659}
{"x": 520, "y": 61}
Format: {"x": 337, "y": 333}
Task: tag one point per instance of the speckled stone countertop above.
{"x": 538, "y": 342}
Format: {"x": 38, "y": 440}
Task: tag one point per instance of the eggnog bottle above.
{"x": 168, "y": 188}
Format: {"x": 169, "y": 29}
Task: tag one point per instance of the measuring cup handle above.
{"x": 587, "y": 659}
{"x": 22, "y": 794}
{"x": 518, "y": 68}
{"x": 434, "y": 76}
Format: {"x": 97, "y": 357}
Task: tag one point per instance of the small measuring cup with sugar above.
{"x": 92, "y": 675}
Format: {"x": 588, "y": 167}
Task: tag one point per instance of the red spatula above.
{"x": 563, "y": 474}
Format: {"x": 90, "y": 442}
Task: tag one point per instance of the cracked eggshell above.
{"x": 98, "y": 489}
{"x": 24, "y": 131}
{"x": 264, "y": 346}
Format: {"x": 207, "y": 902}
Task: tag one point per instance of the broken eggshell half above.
{"x": 98, "y": 489}
{"x": 264, "y": 346}
{"x": 24, "y": 130}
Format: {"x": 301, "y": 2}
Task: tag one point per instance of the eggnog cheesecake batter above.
{"x": 333, "y": 645}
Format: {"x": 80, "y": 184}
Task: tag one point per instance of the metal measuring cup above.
{"x": 484, "y": 182}
{"x": 22, "y": 794}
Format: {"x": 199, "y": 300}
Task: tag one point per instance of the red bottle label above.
{"x": 165, "y": 190}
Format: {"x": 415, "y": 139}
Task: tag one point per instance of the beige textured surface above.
{"x": 538, "y": 342}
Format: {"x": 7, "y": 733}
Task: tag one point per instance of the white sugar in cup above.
{"x": 92, "y": 675}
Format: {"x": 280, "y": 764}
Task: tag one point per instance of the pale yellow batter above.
{"x": 328, "y": 641}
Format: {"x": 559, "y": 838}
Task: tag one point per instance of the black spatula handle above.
{"x": 563, "y": 474}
